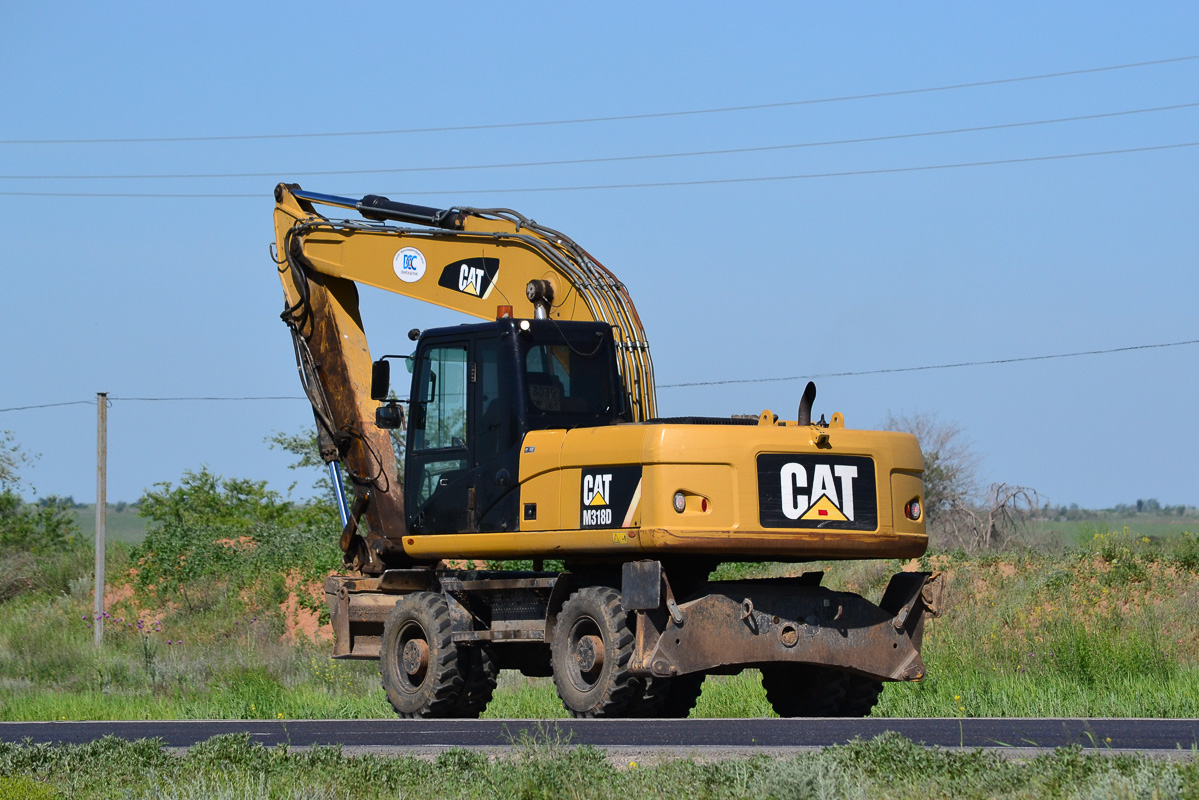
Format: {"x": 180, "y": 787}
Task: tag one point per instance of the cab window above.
{"x": 561, "y": 379}
{"x": 440, "y": 421}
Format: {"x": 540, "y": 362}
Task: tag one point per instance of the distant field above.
{"x": 127, "y": 526}
{"x": 1079, "y": 532}
{"x": 119, "y": 526}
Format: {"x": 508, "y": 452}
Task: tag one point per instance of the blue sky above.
{"x": 177, "y": 297}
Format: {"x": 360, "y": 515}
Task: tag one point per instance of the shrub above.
{"x": 204, "y": 498}
{"x": 179, "y": 555}
{"x": 44, "y": 527}
{"x": 212, "y": 528}
{"x": 24, "y": 789}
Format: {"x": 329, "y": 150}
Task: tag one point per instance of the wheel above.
{"x": 479, "y": 673}
{"x": 418, "y": 658}
{"x": 668, "y": 698}
{"x": 803, "y": 690}
{"x": 861, "y": 695}
{"x": 682, "y": 695}
{"x": 592, "y": 647}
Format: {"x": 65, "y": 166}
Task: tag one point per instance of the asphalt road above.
{"x": 692, "y": 735}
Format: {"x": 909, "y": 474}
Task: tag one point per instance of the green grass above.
{"x": 119, "y": 526}
{"x": 1105, "y": 628}
{"x": 232, "y": 768}
{"x": 1072, "y": 533}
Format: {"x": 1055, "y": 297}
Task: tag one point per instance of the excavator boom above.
{"x": 482, "y": 262}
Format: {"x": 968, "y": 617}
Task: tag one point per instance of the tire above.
{"x": 418, "y": 659}
{"x": 803, "y": 690}
{"x": 861, "y": 696}
{"x": 592, "y": 647}
{"x": 479, "y": 673}
{"x": 669, "y": 698}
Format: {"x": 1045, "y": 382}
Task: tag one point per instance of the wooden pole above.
{"x": 101, "y": 510}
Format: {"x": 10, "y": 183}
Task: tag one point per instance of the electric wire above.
{"x": 613, "y": 118}
{"x": 647, "y": 185}
{"x": 606, "y": 159}
{"x": 813, "y": 175}
{"x": 857, "y": 373}
{"x": 111, "y": 398}
{"x": 51, "y": 405}
{"x": 927, "y": 367}
{"x": 205, "y": 399}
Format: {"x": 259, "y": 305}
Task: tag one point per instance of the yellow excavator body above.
{"x": 714, "y": 470}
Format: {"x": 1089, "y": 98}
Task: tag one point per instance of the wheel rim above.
{"x": 585, "y": 654}
{"x": 412, "y": 657}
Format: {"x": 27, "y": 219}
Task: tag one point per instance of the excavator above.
{"x": 532, "y": 439}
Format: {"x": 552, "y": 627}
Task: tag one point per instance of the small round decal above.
{"x": 409, "y": 264}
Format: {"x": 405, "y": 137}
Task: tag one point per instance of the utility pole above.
{"x": 101, "y": 510}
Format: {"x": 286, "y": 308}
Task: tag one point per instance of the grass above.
{"x": 119, "y": 526}
{"x": 232, "y": 768}
{"x": 1072, "y": 533}
{"x": 1105, "y": 628}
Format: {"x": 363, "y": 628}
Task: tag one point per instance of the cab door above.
{"x": 438, "y": 464}
{"x": 495, "y": 435}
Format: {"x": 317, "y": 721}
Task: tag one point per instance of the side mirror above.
{"x": 389, "y": 417}
{"x": 380, "y": 379}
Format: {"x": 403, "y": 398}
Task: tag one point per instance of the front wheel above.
{"x": 592, "y": 647}
{"x": 418, "y": 658}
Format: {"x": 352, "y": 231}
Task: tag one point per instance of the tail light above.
{"x": 912, "y": 509}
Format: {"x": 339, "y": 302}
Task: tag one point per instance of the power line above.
{"x": 614, "y": 118}
{"x": 218, "y": 399}
{"x": 890, "y": 370}
{"x": 654, "y": 184}
{"x": 934, "y": 366}
{"x": 606, "y": 159}
{"x": 111, "y": 398}
{"x": 812, "y": 175}
{"x": 51, "y": 405}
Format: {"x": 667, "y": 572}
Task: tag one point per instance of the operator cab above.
{"x": 476, "y": 391}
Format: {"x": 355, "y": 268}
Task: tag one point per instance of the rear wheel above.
{"x": 593, "y": 644}
{"x": 803, "y": 690}
{"x": 418, "y": 658}
{"x": 479, "y": 673}
{"x": 861, "y": 696}
{"x": 669, "y": 698}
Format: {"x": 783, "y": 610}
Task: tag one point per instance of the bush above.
{"x": 42, "y": 528}
{"x": 177, "y": 556}
{"x": 45, "y": 526}
{"x": 203, "y": 498}
{"x": 209, "y": 528}
{"x": 24, "y": 789}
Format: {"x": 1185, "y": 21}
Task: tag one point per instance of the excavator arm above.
{"x": 470, "y": 260}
